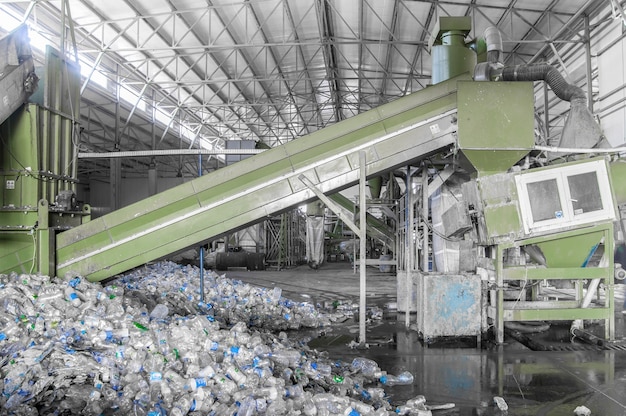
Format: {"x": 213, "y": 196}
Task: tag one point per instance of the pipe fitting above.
{"x": 488, "y": 71}
{"x": 620, "y": 274}
{"x": 493, "y": 39}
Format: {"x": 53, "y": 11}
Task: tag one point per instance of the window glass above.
{"x": 545, "y": 203}
{"x": 585, "y": 193}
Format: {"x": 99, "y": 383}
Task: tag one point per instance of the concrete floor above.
{"x": 547, "y": 383}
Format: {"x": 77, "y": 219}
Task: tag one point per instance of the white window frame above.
{"x": 568, "y": 218}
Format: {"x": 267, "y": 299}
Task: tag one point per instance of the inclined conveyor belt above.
{"x": 392, "y": 135}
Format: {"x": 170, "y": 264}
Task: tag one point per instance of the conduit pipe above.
{"x": 588, "y": 337}
{"x": 592, "y": 290}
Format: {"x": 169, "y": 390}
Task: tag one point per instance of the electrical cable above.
{"x": 439, "y": 234}
{"x": 32, "y": 267}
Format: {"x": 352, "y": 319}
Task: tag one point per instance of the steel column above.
{"x": 362, "y": 247}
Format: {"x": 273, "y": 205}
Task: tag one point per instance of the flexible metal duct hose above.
{"x": 547, "y": 73}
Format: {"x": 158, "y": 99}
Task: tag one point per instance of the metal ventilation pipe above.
{"x": 492, "y": 70}
{"x": 493, "y": 39}
{"x": 581, "y": 129}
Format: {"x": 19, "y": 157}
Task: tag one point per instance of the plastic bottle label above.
{"x": 156, "y": 376}
{"x": 200, "y": 382}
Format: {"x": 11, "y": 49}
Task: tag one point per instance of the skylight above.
{"x": 132, "y": 98}
{"x": 97, "y": 77}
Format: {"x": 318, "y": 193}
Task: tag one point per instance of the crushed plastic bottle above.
{"x": 403, "y": 378}
{"x": 367, "y": 367}
{"x": 144, "y": 344}
{"x": 160, "y": 311}
{"x": 582, "y": 411}
{"x": 501, "y": 404}
{"x": 416, "y": 407}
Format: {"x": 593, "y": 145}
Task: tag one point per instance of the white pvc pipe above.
{"x": 167, "y": 152}
{"x": 555, "y": 149}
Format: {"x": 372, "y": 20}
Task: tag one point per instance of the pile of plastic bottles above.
{"x": 144, "y": 344}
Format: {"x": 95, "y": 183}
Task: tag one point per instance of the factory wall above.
{"x": 98, "y": 192}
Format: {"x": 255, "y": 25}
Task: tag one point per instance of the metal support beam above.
{"x": 359, "y": 231}
{"x": 425, "y": 231}
{"x": 410, "y": 246}
{"x": 115, "y": 184}
{"x": 440, "y": 179}
{"x": 588, "y": 64}
{"x": 362, "y": 257}
{"x": 152, "y": 180}
{"x": 499, "y": 295}
{"x": 167, "y": 152}
{"x": 332, "y": 205}
{"x": 201, "y": 249}
{"x": 570, "y": 22}
{"x": 546, "y": 114}
{"x": 45, "y": 245}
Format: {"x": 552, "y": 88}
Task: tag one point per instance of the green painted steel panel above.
{"x": 618, "y": 180}
{"x": 502, "y": 222}
{"x": 570, "y": 251}
{"x": 451, "y": 56}
{"x": 555, "y": 273}
{"x": 16, "y": 253}
{"x": 20, "y": 151}
{"x": 496, "y": 124}
{"x": 556, "y": 314}
{"x": 241, "y": 194}
{"x": 500, "y": 206}
{"x": 450, "y": 61}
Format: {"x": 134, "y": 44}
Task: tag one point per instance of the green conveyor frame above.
{"x": 392, "y": 135}
{"x": 374, "y": 227}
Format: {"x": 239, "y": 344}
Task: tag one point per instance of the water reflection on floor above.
{"x": 548, "y": 383}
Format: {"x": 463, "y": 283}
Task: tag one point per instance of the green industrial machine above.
{"x": 538, "y": 232}
{"x": 549, "y": 235}
{"x": 525, "y": 228}
{"x": 38, "y": 165}
{"x": 451, "y": 54}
